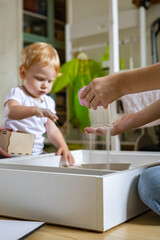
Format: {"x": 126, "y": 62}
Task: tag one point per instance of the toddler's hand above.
{"x": 67, "y": 158}
{"x": 43, "y": 112}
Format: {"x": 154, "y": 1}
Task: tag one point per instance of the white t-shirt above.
{"x": 34, "y": 125}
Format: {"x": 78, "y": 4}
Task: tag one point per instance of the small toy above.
{"x": 17, "y": 143}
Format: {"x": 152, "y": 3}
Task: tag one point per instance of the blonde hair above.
{"x": 42, "y": 53}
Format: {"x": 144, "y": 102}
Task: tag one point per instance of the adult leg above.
{"x": 149, "y": 188}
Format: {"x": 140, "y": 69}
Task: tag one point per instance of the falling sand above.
{"x": 100, "y": 119}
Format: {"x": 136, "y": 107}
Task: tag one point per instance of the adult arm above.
{"x": 131, "y": 121}
{"x": 113, "y": 86}
{"x": 136, "y": 120}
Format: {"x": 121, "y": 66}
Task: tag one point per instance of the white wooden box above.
{"x": 37, "y": 188}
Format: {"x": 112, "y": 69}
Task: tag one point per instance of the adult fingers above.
{"x": 89, "y": 98}
{"x": 98, "y": 131}
{"x": 89, "y": 130}
{"x": 94, "y": 103}
{"x": 127, "y": 122}
{"x": 85, "y": 91}
{"x": 101, "y": 132}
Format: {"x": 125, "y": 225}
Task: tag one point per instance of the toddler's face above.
{"x": 38, "y": 80}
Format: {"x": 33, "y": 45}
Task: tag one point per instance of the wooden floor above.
{"x": 143, "y": 227}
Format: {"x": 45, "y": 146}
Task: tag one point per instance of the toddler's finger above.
{"x": 55, "y": 117}
{"x": 64, "y": 161}
{"x": 4, "y": 154}
{"x": 59, "y": 151}
{"x": 71, "y": 160}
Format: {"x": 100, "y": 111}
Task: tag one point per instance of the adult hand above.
{"x": 127, "y": 122}
{"x": 3, "y": 153}
{"x": 136, "y": 120}
{"x": 97, "y": 131}
{"x": 105, "y": 89}
{"x": 100, "y": 130}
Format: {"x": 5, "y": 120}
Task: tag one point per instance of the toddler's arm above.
{"x": 16, "y": 111}
{"x": 56, "y": 138}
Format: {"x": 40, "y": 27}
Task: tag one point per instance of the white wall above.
{"x": 87, "y": 9}
{"x": 10, "y": 46}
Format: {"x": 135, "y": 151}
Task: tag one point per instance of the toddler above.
{"x": 28, "y": 108}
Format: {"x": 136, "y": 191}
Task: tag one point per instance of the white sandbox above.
{"x": 37, "y": 188}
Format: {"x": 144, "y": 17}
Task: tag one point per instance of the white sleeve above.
{"x": 14, "y": 94}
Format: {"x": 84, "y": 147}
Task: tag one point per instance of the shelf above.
{"x": 35, "y": 15}
{"x": 124, "y": 143}
{"x": 100, "y": 142}
{"x": 42, "y": 28}
{"x": 61, "y": 113}
{"x": 58, "y": 44}
{"x": 30, "y": 37}
{"x": 84, "y": 142}
{"x": 60, "y": 10}
{"x": 59, "y": 22}
{"x": 36, "y": 24}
